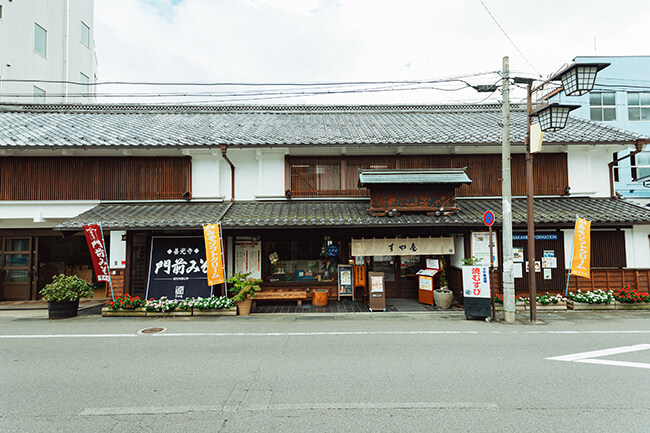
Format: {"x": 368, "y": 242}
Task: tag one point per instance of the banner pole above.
{"x": 566, "y": 291}
{"x": 110, "y": 280}
{"x": 573, "y": 245}
{"x": 223, "y": 263}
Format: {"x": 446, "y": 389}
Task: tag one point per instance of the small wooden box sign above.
{"x": 413, "y": 190}
{"x": 423, "y": 199}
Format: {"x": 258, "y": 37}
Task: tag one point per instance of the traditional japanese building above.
{"x": 300, "y": 190}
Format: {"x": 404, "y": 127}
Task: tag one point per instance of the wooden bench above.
{"x": 281, "y": 295}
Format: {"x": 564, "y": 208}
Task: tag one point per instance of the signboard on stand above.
{"x": 377, "y": 299}
{"x": 177, "y": 268}
{"x": 346, "y": 285}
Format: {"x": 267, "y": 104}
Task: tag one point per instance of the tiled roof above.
{"x": 414, "y": 176}
{"x": 350, "y": 213}
{"x": 133, "y": 126}
{"x": 122, "y": 216}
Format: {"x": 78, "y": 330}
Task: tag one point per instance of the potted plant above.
{"x": 244, "y": 289}
{"x": 443, "y": 297}
{"x": 63, "y": 295}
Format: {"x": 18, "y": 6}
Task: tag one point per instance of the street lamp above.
{"x": 577, "y": 79}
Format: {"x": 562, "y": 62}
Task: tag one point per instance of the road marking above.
{"x": 319, "y": 333}
{"x": 589, "y": 357}
{"x": 157, "y": 410}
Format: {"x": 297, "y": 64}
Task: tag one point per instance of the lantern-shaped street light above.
{"x": 553, "y": 117}
{"x": 578, "y": 78}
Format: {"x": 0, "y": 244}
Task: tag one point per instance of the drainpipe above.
{"x": 66, "y": 48}
{"x": 638, "y": 147}
{"x": 224, "y": 149}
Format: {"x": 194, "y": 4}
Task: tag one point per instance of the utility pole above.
{"x": 506, "y": 199}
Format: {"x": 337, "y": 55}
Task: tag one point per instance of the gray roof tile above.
{"x": 32, "y": 126}
{"x": 557, "y": 211}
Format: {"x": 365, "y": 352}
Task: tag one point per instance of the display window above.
{"x": 301, "y": 261}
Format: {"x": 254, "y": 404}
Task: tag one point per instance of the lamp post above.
{"x": 577, "y": 79}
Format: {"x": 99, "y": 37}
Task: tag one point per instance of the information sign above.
{"x": 177, "y": 268}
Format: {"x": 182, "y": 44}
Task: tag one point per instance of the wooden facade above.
{"x": 338, "y": 176}
{"x": 94, "y": 178}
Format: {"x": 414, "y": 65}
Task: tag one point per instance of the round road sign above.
{"x": 488, "y": 218}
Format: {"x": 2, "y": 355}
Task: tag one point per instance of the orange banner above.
{"x": 580, "y": 265}
{"x": 213, "y": 253}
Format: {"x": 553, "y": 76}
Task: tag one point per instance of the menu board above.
{"x": 346, "y": 282}
{"x": 177, "y": 268}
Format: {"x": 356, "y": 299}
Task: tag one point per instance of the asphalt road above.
{"x": 353, "y": 373}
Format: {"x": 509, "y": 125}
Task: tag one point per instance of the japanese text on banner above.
{"x": 580, "y": 264}
{"x": 97, "y": 251}
{"x": 213, "y": 254}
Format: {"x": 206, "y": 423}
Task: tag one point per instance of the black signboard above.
{"x": 177, "y": 268}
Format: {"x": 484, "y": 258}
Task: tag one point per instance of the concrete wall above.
{"x": 66, "y": 56}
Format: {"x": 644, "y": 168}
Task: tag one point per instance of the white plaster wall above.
{"x": 117, "y": 258}
{"x": 588, "y": 170}
{"x": 270, "y": 173}
{"x": 568, "y": 246}
{"x": 65, "y": 56}
{"x": 246, "y": 181}
{"x": 206, "y": 175}
{"x": 456, "y": 259}
{"x": 41, "y": 214}
{"x": 637, "y": 246}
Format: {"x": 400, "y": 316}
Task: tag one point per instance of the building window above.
{"x": 84, "y": 89}
{"x": 40, "y": 40}
{"x": 85, "y": 34}
{"x": 301, "y": 261}
{"x": 638, "y": 106}
{"x": 641, "y": 166}
{"x": 39, "y": 95}
{"x": 602, "y": 106}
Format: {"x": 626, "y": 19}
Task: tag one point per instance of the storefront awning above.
{"x": 157, "y": 216}
{"x": 287, "y": 214}
{"x": 402, "y": 246}
{"x": 436, "y": 176}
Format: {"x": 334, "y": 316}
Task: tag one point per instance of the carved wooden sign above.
{"x": 401, "y": 198}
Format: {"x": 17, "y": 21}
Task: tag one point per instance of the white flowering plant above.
{"x": 213, "y": 303}
{"x": 547, "y": 299}
{"x": 162, "y": 305}
{"x": 592, "y": 297}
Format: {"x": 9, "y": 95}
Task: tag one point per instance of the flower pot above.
{"x": 573, "y": 305}
{"x": 633, "y": 306}
{"x": 232, "y": 311}
{"x": 319, "y": 297}
{"x": 442, "y": 298}
{"x": 169, "y": 313}
{"x": 136, "y": 312}
{"x": 62, "y": 310}
{"x": 244, "y": 307}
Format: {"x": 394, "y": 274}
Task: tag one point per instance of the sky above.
{"x": 343, "y": 41}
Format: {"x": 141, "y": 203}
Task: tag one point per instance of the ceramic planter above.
{"x": 244, "y": 307}
{"x": 62, "y": 310}
{"x": 443, "y": 298}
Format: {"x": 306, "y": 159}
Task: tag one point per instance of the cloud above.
{"x": 361, "y": 40}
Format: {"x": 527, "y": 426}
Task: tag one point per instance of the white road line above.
{"x": 157, "y": 410}
{"x": 309, "y": 334}
{"x": 590, "y": 357}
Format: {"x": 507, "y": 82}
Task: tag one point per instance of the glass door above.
{"x": 16, "y": 265}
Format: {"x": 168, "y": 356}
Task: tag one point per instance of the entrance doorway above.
{"x": 400, "y": 277}
{"x": 18, "y": 257}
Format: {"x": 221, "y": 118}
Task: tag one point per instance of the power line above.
{"x": 511, "y": 41}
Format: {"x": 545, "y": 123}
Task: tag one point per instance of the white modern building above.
{"x": 47, "y": 53}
